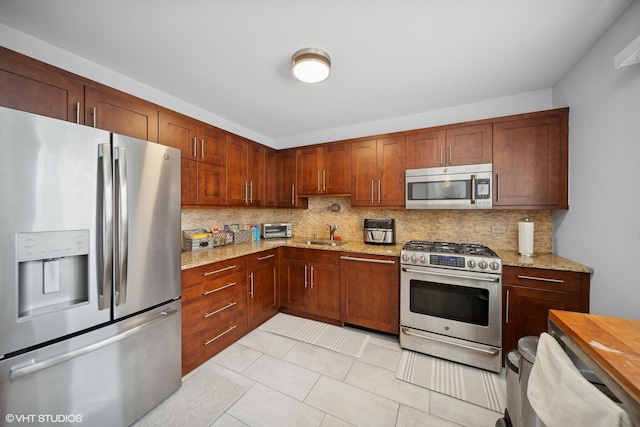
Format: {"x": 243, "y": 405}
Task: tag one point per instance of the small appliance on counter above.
{"x": 276, "y": 230}
{"x": 380, "y": 231}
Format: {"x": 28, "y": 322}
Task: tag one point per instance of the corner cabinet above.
{"x": 530, "y": 161}
{"x": 310, "y": 280}
{"x": 377, "y": 172}
{"x": 371, "y": 291}
{"x": 287, "y": 181}
{"x": 529, "y": 293}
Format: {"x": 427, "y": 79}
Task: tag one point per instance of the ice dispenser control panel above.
{"x": 53, "y": 270}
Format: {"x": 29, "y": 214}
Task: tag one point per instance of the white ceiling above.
{"x": 389, "y": 58}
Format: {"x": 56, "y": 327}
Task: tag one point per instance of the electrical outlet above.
{"x": 498, "y": 229}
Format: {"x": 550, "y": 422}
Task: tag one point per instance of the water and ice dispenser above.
{"x": 53, "y": 269}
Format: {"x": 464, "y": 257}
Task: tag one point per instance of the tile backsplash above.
{"x": 495, "y": 228}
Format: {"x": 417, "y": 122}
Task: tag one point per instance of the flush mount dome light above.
{"x": 311, "y": 65}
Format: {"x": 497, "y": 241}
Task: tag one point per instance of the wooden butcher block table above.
{"x": 609, "y": 346}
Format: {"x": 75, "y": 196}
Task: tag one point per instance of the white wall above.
{"x": 602, "y": 226}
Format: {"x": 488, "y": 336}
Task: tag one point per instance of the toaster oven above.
{"x": 276, "y": 230}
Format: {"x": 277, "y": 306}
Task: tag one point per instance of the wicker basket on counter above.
{"x": 242, "y": 236}
{"x": 196, "y": 240}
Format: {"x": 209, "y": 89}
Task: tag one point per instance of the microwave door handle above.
{"x": 473, "y": 189}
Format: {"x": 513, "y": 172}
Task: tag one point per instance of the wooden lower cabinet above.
{"x": 371, "y": 291}
{"x": 529, "y": 293}
{"x": 310, "y": 282}
{"x": 214, "y": 309}
{"x": 263, "y": 297}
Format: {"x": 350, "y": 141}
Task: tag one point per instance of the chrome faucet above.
{"x": 332, "y": 230}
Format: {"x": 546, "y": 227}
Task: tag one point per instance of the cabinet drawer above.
{"x": 217, "y": 289}
{"x": 203, "y": 345}
{"x": 312, "y": 255}
{"x": 263, "y": 257}
{"x": 563, "y": 281}
{"x": 215, "y": 311}
{"x": 209, "y": 272}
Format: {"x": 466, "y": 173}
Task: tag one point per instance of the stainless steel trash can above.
{"x": 527, "y": 347}
{"x": 512, "y": 413}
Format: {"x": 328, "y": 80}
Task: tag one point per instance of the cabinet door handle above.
{"x": 540, "y": 279}
{"x": 78, "y": 112}
{"x": 312, "y": 277}
{"x": 246, "y": 192}
{"x": 318, "y": 179}
{"x": 209, "y": 292}
{"x": 497, "y": 186}
{"x": 195, "y": 147}
{"x": 324, "y": 180}
{"x": 219, "y": 310}
{"x": 379, "y": 261}
{"x": 451, "y": 154}
{"x": 208, "y": 273}
{"x": 379, "y": 191}
{"x": 371, "y": 191}
{"x": 441, "y": 155}
{"x": 506, "y": 315}
{"x": 95, "y": 120}
{"x": 251, "y": 285}
{"x": 250, "y": 191}
{"x": 293, "y": 194}
{"x": 202, "y": 148}
{"x": 229, "y": 329}
{"x": 306, "y": 270}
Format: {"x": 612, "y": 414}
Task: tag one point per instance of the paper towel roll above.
{"x": 525, "y": 237}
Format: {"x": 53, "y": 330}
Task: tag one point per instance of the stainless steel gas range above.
{"x": 451, "y": 302}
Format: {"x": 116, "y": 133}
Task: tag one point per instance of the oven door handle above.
{"x": 492, "y": 352}
{"x": 457, "y": 276}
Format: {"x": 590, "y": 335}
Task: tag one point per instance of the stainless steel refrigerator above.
{"x": 89, "y": 273}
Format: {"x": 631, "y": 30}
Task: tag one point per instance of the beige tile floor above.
{"x": 268, "y": 380}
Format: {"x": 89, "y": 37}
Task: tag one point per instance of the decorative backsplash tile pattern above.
{"x": 495, "y": 228}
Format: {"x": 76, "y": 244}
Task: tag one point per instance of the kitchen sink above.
{"x": 325, "y": 242}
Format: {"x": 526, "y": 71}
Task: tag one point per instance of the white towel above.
{"x": 562, "y": 397}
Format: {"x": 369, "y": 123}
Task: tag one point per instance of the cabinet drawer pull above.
{"x": 541, "y": 279}
{"x": 262, "y": 258}
{"x": 379, "y": 261}
{"x": 231, "y": 328}
{"x": 209, "y": 273}
{"x": 219, "y": 310}
{"x": 219, "y": 289}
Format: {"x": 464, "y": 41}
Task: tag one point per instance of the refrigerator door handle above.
{"x": 106, "y": 281}
{"x": 122, "y": 225}
{"x": 35, "y": 366}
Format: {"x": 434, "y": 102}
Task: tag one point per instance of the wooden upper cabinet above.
{"x": 179, "y": 132}
{"x": 270, "y": 177}
{"x": 211, "y": 145}
{"x": 121, "y": 113}
{"x": 245, "y": 172}
{"x": 465, "y": 145}
{"x": 189, "y": 182}
{"x": 530, "y": 161}
{"x": 323, "y": 170}
{"x": 377, "y": 172}
{"x": 31, "y": 86}
{"x": 287, "y": 181}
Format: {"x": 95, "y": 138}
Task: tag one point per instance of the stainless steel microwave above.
{"x": 453, "y": 187}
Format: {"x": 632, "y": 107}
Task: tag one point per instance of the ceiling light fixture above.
{"x": 311, "y": 65}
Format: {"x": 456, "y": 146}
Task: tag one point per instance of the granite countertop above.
{"x": 509, "y": 257}
{"x": 544, "y": 261}
{"x": 208, "y": 256}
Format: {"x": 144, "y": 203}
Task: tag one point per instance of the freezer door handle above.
{"x": 106, "y": 281}
{"x": 122, "y": 225}
{"x": 35, "y": 366}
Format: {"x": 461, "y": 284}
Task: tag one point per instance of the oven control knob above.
{"x": 471, "y": 263}
{"x": 405, "y": 257}
{"x": 494, "y": 265}
{"x": 483, "y": 264}
{"x": 423, "y": 259}
{"x": 414, "y": 258}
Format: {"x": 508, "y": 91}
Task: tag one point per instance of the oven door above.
{"x": 460, "y": 304}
